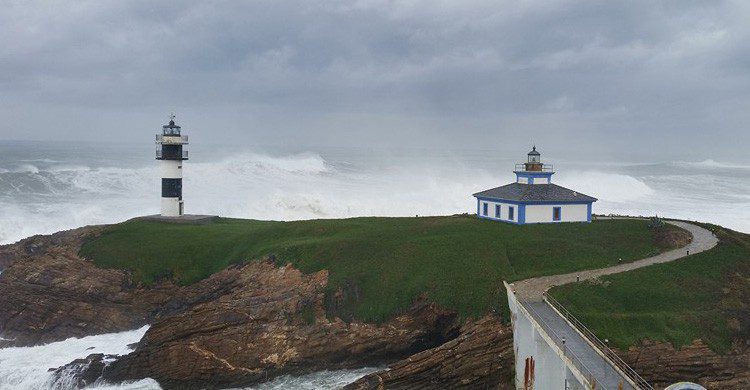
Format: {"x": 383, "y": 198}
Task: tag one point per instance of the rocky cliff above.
{"x": 481, "y": 357}
{"x": 661, "y": 364}
{"x": 264, "y": 321}
{"x": 48, "y": 293}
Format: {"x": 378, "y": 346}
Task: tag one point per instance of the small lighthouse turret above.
{"x": 171, "y": 151}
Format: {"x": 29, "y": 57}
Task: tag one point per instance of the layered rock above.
{"x": 268, "y": 321}
{"x": 48, "y": 293}
{"x": 661, "y": 364}
{"x": 481, "y": 357}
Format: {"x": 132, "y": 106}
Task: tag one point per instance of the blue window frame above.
{"x": 484, "y": 209}
{"x": 557, "y": 213}
{"x": 497, "y": 211}
{"x": 511, "y": 212}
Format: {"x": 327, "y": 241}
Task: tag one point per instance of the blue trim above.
{"x": 521, "y": 213}
{"x": 533, "y": 174}
{"x": 588, "y": 212}
{"x": 530, "y": 175}
{"x": 528, "y": 202}
{"x": 500, "y": 220}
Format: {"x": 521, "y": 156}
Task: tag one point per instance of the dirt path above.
{"x": 532, "y": 289}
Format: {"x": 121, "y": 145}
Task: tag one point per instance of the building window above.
{"x": 556, "y": 213}
{"x": 484, "y": 209}
{"x": 510, "y": 213}
{"x": 497, "y": 211}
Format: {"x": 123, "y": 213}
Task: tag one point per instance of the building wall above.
{"x": 523, "y": 180}
{"x": 541, "y": 180}
{"x": 569, "y": 213}
{"x": 171, "y": 169}
{"x": 553, "y": 370}
{"x": 504, "y": 211}
{"x": 170, "y": 207}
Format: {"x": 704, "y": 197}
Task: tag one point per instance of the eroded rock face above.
{"x": 661, "y": 365}
{"x": 481, "y": 357}
{"x": 47, "y": 293}
{"x": 270, "y": 321}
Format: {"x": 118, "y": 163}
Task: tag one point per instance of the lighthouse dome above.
{"x": 533, "y": 152}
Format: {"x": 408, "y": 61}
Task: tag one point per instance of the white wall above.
{"x": 523, "y": 180}
{"x": 170, "y": 207}
{"x": 552, "y": 369}
{"x": 541, "y": 180}
{"x": 569, "y": 213}
{"x": 171, "y": 169}
{"x": 504, "y": 210}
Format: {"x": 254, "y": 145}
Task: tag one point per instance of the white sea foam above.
{"x": 307, "y": 185}
{"x": 710, "y": 163}
{"x": 323, "y": 380}
{"x": 27, "y": 367}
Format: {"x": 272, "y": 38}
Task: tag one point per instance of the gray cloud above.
{"x": 669, "y": 76}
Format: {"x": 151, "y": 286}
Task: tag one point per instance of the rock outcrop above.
{"x": 661, "y": 365}
{"x": 481, "y": 357}
{"x": 266, "y": 321}
{"x": 48, "y": 293}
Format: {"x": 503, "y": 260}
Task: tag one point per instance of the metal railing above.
{"x": 171, "y": 139}
{"x": 545, "y": 168}
{"x": 160, "y": 155}
{"x": 577, "y": 361}
{"x": 603, "y": 348}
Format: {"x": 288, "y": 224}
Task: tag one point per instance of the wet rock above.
{"x": 259, "y": 327}
{"x": 481, "y": 357}
{"x": 661, "y": 364}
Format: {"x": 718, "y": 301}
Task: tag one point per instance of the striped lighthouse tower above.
{"x": 170, "y": 150}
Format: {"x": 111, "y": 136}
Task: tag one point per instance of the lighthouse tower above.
{"x": 170, "y": 150}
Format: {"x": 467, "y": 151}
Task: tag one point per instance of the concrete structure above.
{"x": 551, "y": 354}
{"x": 553, "y": 350}
{"x": 170, "y": 150}
{"x": 533, "y": 198}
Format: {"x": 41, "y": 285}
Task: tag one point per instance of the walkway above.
{"x": 533, "y": 289}
{"x": 583, "y": 354}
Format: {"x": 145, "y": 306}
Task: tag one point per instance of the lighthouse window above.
{"x": 556, "y": 213}
{"x": 484, "y": 209}
{"x": 511, "y": 211}
{"x": 497, "y": 211}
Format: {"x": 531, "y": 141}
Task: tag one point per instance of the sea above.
{"x": 51, "y": 186}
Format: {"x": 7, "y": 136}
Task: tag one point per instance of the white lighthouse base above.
{"x": 172, "y": 207}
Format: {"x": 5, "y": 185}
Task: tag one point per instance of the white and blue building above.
{"x": 533, "y": 198}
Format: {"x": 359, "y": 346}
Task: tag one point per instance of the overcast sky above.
{"x": 651, "y": 77}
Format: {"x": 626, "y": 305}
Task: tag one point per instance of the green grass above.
{"x": 382, "y": 264}
{"x": 699, "y": 297}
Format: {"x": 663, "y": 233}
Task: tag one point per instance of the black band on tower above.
{"x": 171, "y": 152}
{"x": 171, "y": 188}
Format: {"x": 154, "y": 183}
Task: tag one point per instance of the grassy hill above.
{"x": 704, "y": 296}
{"x": 381, "y": 264}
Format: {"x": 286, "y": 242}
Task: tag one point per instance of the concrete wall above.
{"x": 170, "y": 207}
{"x": 569, "y": 213}
{"x": 552, "y": 369}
